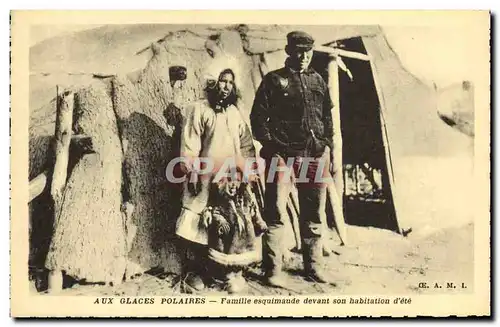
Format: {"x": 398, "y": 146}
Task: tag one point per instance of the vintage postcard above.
{"x": 250, "y": 163}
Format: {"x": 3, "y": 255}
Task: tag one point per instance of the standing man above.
{"x": 291, "y": 118}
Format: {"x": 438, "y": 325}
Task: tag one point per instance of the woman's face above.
{"x": 225, "y": 85}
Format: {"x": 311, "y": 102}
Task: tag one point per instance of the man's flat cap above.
{"x": 298, "y": 40}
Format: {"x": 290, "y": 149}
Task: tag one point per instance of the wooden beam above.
{"x": 37, "y": 185}
{"x": 342, "y": 53}
{"x": 353, "y": 55}
{"x": 102, "y": 75}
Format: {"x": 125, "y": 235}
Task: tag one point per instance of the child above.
{"x": 233, "y": 222}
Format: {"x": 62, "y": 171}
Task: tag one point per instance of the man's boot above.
{"x": 236, "y": 283}
{"x": 195, "y": 282}
{"x": 313, "y": 260}
{"x": 272, "y": 257}
{"x": 195, "y": 268}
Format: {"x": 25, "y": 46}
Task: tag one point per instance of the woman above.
{"x": 213, "y": 131}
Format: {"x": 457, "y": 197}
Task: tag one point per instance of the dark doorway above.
{"x": 367, "y": 193}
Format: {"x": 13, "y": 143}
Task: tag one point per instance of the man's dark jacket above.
{"x": 291, "y": 113}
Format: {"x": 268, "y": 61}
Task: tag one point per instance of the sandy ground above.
{"x": 434, "y": 203}
{"x": 435, "y": 199}
{"x": 375, "y": 262}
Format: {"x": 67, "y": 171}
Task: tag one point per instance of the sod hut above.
{"x": 131, "y": 109}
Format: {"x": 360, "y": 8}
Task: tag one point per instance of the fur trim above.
{"x": 217, "y": 65}
{"x": 190, "y": 228}
{"x": 242, "y": 259}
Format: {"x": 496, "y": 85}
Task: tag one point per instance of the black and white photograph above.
{"x": 197, "y": 165}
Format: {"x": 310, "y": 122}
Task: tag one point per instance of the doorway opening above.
{"x": 367, "y": 195}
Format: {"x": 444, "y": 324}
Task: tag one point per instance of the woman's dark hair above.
{"x": 211, "y": 91}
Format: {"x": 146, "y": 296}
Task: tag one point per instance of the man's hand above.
{"x": 253, "y": 174}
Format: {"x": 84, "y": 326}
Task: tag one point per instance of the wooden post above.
{"x": 385, "y": 139}
{"x": 128, "y": 209}
{"x": 333, "y": 86}
{"x": 337, "y": 213}
{"x": 55, "y": 281}
{"x": 336, "y": 191}
{"x": 64, "y": 121}
{"x": 356, "y": 178}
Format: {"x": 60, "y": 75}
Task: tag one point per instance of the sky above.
{"x": 43, "y": 32}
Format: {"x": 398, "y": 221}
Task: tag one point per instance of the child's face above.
{"x": 230, "y": 186}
